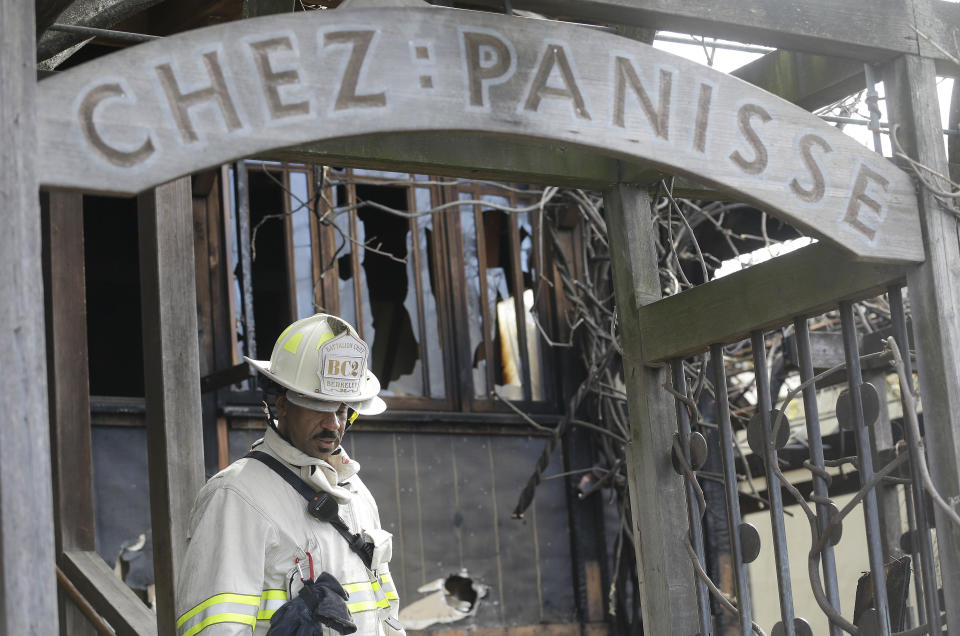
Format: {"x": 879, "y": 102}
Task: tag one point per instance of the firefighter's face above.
{"x": 315, "y": 433}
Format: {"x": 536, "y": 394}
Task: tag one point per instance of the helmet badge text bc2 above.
{"x": 342, "y": 365}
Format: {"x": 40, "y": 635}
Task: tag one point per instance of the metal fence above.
{"x": 903, "y": 470}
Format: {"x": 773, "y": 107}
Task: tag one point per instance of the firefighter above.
{"x": 288, "y": 538}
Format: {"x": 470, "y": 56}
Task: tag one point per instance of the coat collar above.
{"x": 326, "y": 475}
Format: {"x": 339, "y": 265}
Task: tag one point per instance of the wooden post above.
{"x": 171, "y": 378}
{"x": 911, "y": 92}
{"x": 657, "y": 496}
{"x": 69, "y": 386}
{"x": 28, "y": 595}
{"x": 206, "y": 242}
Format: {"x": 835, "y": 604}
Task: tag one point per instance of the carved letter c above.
{"x": 121, "y": 158}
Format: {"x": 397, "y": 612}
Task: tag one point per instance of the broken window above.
{"x": 298, "y": 206}
{"x": 385, "y": 262}
{"x": 270, "y": 256}
{"x": 500, "y": 268}
{"x": 418, "y": 284}
{"x": 272, "y": 251}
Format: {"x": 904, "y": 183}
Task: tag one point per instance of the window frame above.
{"x": 551, "y": 381}
{"x": 449, "y": 279}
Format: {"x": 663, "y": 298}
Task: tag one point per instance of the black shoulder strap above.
{"x": 363, "y": 549}
{"x": 288, "y": 475}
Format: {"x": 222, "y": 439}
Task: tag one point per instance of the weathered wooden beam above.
{"x": 803, "y": 283}
{"x": 473, "y": 156}
{"x": 953, "y": 141}
{"x": 938, "y": 26}
{"x": 657, "y": 496}
{"x": 495, "y": 159}
{"x": 67, "y": 365}
{"x": 68, "y": 383}
{"x": 935, "y": 305}
{"x": 28, "y": 594}
{"x": 171, "y": 378}
{"x": 717, "y": 129}
{"x": 867, "y": 30}
{"x": 110, "y": 596}
{"x": 809, "y": 81}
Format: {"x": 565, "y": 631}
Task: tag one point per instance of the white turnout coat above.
{"x": 251, "y": 541}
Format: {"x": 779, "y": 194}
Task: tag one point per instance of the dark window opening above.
{"x": 499, "y": 291}
{"x": 344, "y": 252}
{"x": 271, "y": 287}
{"x": 112, "y": 262}
{"x": 394, "y": 350}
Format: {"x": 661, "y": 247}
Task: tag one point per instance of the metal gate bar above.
{"x": 918, "y": 574}
{"x": 773, "y": 485}
{"x": 812, "y": 417}
{"x": 928, "y": 604}
{"x": 766, "y": 436}
{"x": 865, "y": 465}
{"x": 693, "y": 502}
{"x": 725, "y": 429}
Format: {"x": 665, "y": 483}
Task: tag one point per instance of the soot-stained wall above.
{"x": 448, "y": 499}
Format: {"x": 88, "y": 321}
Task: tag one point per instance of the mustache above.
{"x": 326, "y": 434}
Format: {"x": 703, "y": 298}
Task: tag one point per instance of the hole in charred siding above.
{"x": 448, "y": 600}
{"x": 460, "y": 593}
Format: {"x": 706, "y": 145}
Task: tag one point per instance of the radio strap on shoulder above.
{"x": 320, "y": 505}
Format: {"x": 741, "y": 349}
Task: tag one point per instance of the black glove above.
{"x": 294, "y": 618}
{"x": 321, "y": 602}
{"x": 330, "y": 607}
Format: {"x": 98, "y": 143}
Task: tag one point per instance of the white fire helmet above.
{"x": 322, "y": 362}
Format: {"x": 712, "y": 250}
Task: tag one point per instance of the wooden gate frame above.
{"x": 909, "y": 39}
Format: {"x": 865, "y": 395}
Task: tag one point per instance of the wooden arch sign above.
{"x": 151, "y": 113}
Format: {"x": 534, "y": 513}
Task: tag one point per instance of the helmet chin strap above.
{"x": 272, "y": 422}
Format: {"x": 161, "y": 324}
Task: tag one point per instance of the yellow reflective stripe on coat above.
{"x": 270, "y": 602}
{"x": 389, "y": 590}
{"x": 221, "y": 608}
{"x": 365, "y": 596}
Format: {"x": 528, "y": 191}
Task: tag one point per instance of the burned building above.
{"x": 398, "y": 165}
